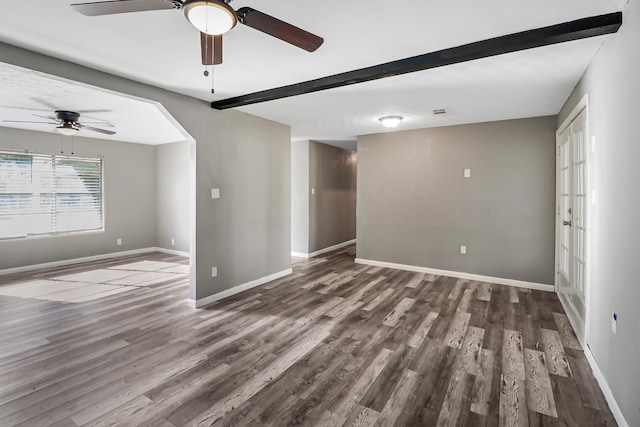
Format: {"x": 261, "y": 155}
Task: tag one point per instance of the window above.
{"x": 49, "y": 194}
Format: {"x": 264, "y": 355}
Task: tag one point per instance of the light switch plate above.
{"x": 214, "y": 271}
{"x": 467, "y": 173}
{"x": 215, "y": 193}
{"x": 463, "y": 249}
{"x": 119, "y": 242}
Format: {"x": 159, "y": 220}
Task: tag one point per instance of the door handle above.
{"x": 566, "y": 223}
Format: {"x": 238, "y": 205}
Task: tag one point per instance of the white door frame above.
{"x": 583, "y": 104}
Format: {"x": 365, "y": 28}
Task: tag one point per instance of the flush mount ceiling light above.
{"x": 67, "y": 129}
{"x": 390, "y": 121}
{"x": 213, "y": 17}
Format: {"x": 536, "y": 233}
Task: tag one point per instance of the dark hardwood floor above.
{"x": 333, "y": 344}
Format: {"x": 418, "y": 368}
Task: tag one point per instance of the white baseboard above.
{"x": 323, "y": 251}
{"x": 613, "y": 405}
{"x": 75, "y": 261}
{"x": 237, "y": 289}
{"x": 459, "y": 275}
{"x": 172, "y": 252}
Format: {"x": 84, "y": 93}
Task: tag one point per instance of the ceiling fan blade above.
{"x": 97, "y": 119}
{"x": 45, "y": 103}
{"x": 107, "y": 124}
{"x": 279, "y": 29}
{"x": 92, "y": 111}
{"x": 27, "y": 121}
{"x": 121, "y": 6}
{"x": 91, "y": 128}
{"x": 45, "y": 117}
{"x": 211, "y": 47}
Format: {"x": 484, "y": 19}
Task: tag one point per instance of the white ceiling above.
{"x": 161, "y": 48}
{"x": 24, "y": 93}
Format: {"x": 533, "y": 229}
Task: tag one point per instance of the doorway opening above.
{"x": 573, "y": 231}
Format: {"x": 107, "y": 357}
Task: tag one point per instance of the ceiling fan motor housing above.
{"x": 67, "y": 116}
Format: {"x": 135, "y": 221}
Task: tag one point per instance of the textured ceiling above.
{"x": 161, "y": 48}
{"x": 25, "y": 92}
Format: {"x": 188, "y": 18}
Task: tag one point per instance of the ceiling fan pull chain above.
{"x": 72, "y": 138}
{"x": 212, "y": 79}
{"x": 61, "y": 144}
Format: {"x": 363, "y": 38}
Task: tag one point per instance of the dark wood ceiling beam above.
{"x": 560, "y": 33}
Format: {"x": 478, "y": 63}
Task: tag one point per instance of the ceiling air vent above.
{"x": 439, "y": 111}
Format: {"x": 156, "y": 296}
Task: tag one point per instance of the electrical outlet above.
{"x": 214, "y": 271}
{"x": 463, "y": 249}
{"x": 467, "y": 173}
{"x": 215, "y": 193}
{"x": 173, "y": 242}
{"x": 313, "y": 191}
{"x": 614, "y": 323}
{"x": 119, "y": 242}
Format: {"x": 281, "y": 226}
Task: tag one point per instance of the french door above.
{"x": 571, "y": 220}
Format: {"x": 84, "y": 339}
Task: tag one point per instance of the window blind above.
{"x": 49, "y": 194}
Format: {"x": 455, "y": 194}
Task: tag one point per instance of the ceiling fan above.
{"x": 212, "y": 18}
{"x": 67, "y": 123}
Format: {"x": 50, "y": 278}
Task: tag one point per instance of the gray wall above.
{"x": 332, "y": 209}
{"x": 130, "y": 200}
{"x": 415, "y": 207}
{"x": 300, "y": 196}
{"x": 173, "y": 168}
{"x": 246, "y": 233}
{"x": 613, "y": 84}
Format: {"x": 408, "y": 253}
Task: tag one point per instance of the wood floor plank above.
{"x": 513, "y": 296}
{"x": 557, "y": 361}
{"x": 457, "y": 329}
{"x": 415, "y": 281}
{"x": 590, "y": 392}
{"x": 457, "y": 290}
{"x": 362, "y": 417}
{"x": 457, "y": 402}
{"x": 513, "y": 355}
{"x": 362, "y": 384}
{"x": 421, "y": 332}
{"x": 334, "y": 343}
{"x": 539, "y": 394}
{"x": 481, "y": 395}
{"x": 465, "y": 301}
{"x": 470, "y": 351}
{"x": 384, "y": 296}
{"x": 565, "y": 330}
{"x": 484, "y": 291}
{"x": 384, "y": 385}
{"x": 398, "y": 311}
{"x": 513, "y": 402}
{"x": 101, "y": 275}
{"x": 398, "y": 407}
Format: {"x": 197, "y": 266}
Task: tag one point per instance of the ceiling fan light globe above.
{"x": 67, "y": 129}
{"x": 390, "y": 121}
{"x": 211, "y": 17}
